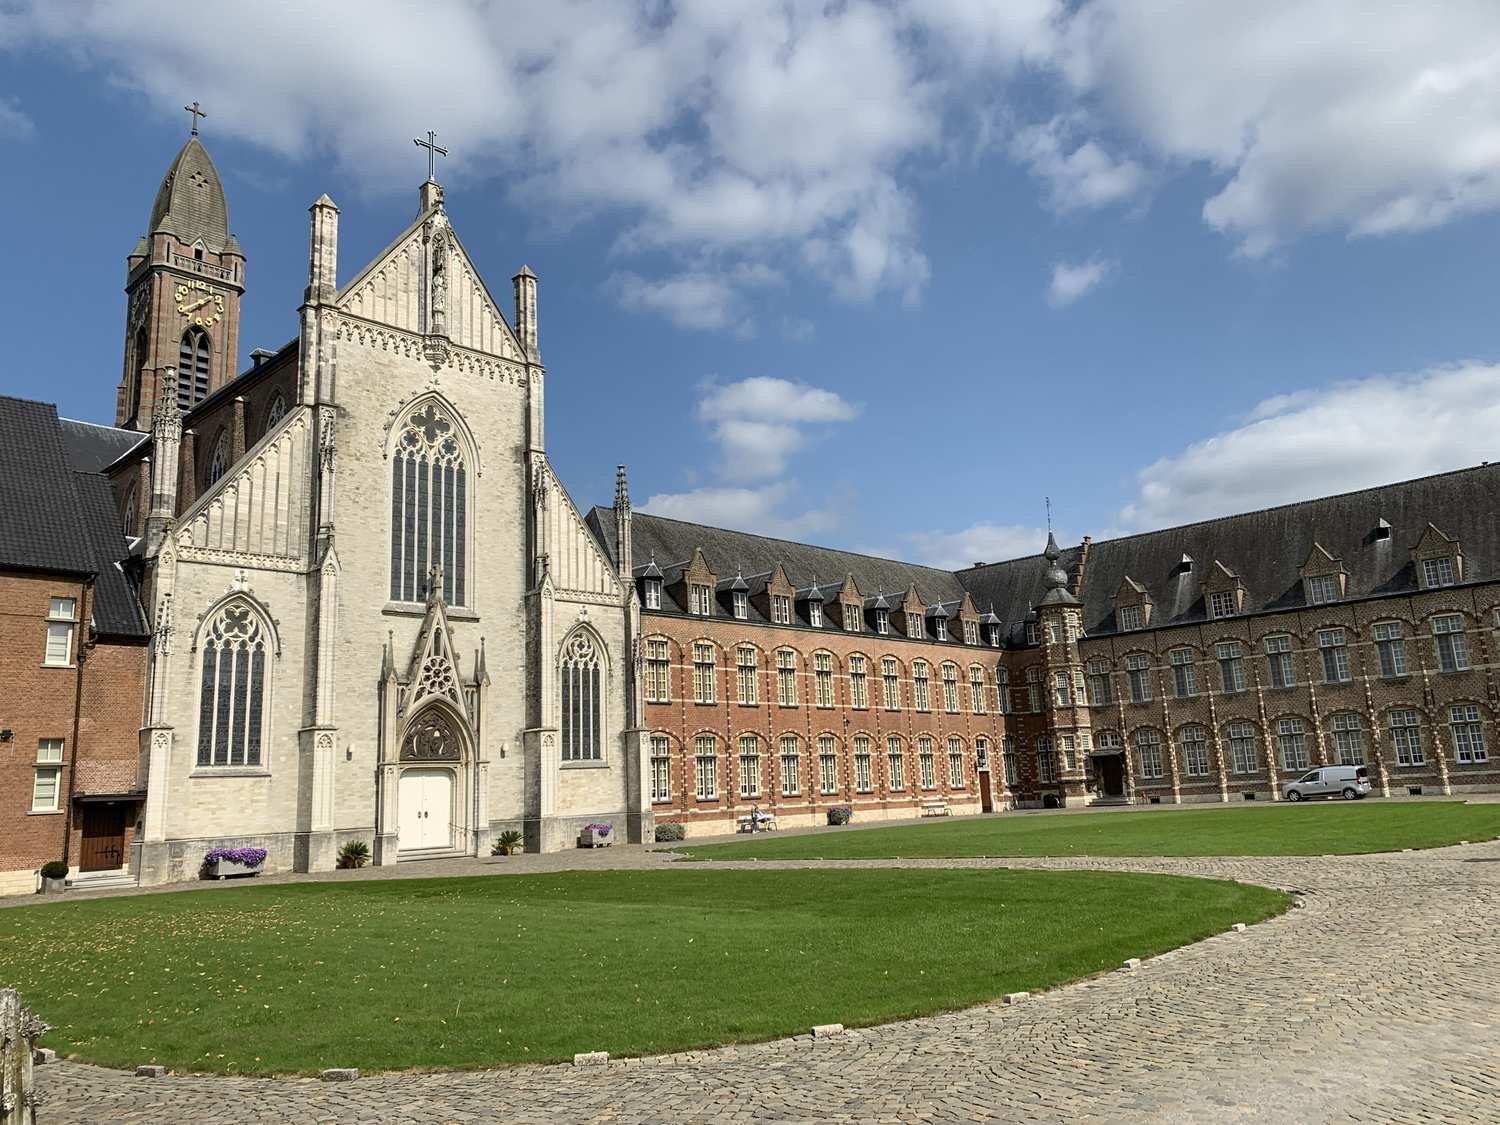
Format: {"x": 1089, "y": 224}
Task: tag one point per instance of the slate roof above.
{"x": 92, "y": 447}
{"x": 190, "y": 203}
{"x": 117, "y": 602}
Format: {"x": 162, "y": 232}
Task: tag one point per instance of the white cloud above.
{"x": 689, "y": 300}
{"x": 1071, "y": 281}
{"x": 759, "y": 422}
{"x": 980, "y": 542}
{"x": 760, "y": 510}
{"x": 1081, "y": 176}
{"x": 14, "y": 123}
{"x": 1352, "y": 435}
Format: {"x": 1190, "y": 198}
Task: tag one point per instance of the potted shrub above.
{"x": 666, "y": 833}
{"x": 595, "y": 836}
{"x": 220, "y": 863}
{"x": 54, "y": 877}
{"x": 840, "y": 814}
{"x": 353, "y": 855}
{"x": 507, "y": 843}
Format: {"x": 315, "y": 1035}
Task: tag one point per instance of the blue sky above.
{"x": 880, "y": 275}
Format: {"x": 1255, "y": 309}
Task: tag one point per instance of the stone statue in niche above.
{"x": 439, "y": 287}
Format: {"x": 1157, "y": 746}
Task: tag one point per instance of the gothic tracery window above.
{"x": 429, "y": 505}
{"x": 218, "y": 465}
{"x": 192, "y": 368}
{"x": 581, "y": 683}
{"x": 276, "y": 412}
{"x": 232, "y": 690}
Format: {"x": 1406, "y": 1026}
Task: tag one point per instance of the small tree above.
{"x": 355, "y": 853}
{"x": 507, "y": 843}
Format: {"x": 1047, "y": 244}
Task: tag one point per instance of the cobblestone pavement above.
{"x": 1378, "y": 1000}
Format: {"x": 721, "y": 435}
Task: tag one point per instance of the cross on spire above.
{"x": 197, "y": 113}
{"x": 434, "y": 150}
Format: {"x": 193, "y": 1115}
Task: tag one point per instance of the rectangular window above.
{"x": 955, "y": 763}
{"x": 702, "y": 600}
{"x": 1033, "y": 689}
{"x": 1148, "y": 754}
{"x": 1101, "y": 693}
{"x": 977, "y": 690}
{"x": 1130, "y": 617}
{"x": 1031, "y": 633}
{"x": 45, "y": 788}
{"x": 741, "y": 605}
{"x": 1221, "y": 604}
{"x": 1231, "y": 666}
{"x": 982, "y": 753}
{"x": 61, "y": 619}
{"x": 653, "y": 594}
{"x": 895, "y": 765}
{"x": 1452, "y": 645}
{"x": 1184, "y": 676}
{"x": 661, "y": 768}
{"x": 745, "y": 676}
{"x": 791, "y": 766}
{"x": 916, "y": 628}
{"x": 925, "y": 762}
{"x": 1138, "y": 675}
{"x": 859, "y": 683}
{"x": 815, "y": 614}
{"x": 1438, "y": 572}
{"x": 823, "y": 678}
{"x": 1335, "y": 656}
{"x": 1291, "y": 743}
{"x": 781, "y": 609}
{"x": 851, "y": 617}
{"x": 920, "y": 699}
{"x": 658, "y": 672}
{"x": 1069, "y": 751}
{"x": 1242, "y": 748}
{"x": 1194, "y": 749}
{"x": 1390, "y": 645}
{"x": 1468, "y": 734}
{"x": 864, "y": 771}
{"x": 1279, "y": 662}
{"x": 1062, "y": 689}
{"x": 1008, "y": 761}
{"x": 950, "y": 688}
{"x": 1406, "y": 738}
{"x": 971, "y": 632}
{"x": 828, "y": 765}
{"x": 883, "y": 621}
{"x": 786, "y": 678}
{"x": 1348, "y": 739}
{"x": 749, "y": 766}
{"x": 890, "y": 684}
{"x": 704, "y": 688}
{"x": 1322, "y": 589}
{"x": 1046, "y": 763}
{"x": 706, "y": 767}
{"x": 1055, "y": 632}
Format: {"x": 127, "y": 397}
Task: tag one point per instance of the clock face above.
{"x": 199, "y": 303}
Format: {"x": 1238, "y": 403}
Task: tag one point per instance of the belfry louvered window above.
{"x": 232, "y": 692}
{"x": 429, "y": 505}
{"x": 581, "y": 683}
{"x": 192, "y": 368}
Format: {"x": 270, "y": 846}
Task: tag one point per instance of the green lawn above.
{"x": 1312, "y": 828}
{"x": 476, "y": 972}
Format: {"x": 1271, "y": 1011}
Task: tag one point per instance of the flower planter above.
{"x": 54, "y": 886}
{"x": 590, "y": 838}
{"x": 225, "y": 868}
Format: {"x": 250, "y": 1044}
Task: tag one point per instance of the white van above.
{"x": 1349, "y": 782}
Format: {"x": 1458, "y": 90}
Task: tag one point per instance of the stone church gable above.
{"x": 575, "y": 560}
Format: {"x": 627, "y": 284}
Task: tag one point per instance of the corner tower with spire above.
{"x": 183, "y": 284}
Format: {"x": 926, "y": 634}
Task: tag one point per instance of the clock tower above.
{"x": 183, "y": 285}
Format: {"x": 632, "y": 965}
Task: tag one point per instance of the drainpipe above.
{"x": 85, "y": 588}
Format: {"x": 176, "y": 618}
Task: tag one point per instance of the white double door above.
{"x": 426, "y": 797}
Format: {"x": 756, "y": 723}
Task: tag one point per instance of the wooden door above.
{"x": 986, "y": 802}
{"x": 103, "y": 847}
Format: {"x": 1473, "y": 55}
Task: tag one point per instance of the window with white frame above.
{"x": 1279, "y": 667}
{"x": 1242, "y": 756}
{"x": 1452, "y": 645}
{"x": 950, "y": 688}
{"x": 890, "y": 684}
{"x": 1438, "y": 572}
{"x": 581, "y": 683}
{"x": 883, "y": 621}
{"x": 1034, "y": 688}
{"x": 1130, "y": 617}
{"x": 852, "y": 615}
{"x": 1334, "y": 649}
{"x": 1031, "y": 633}
{"x": 1322, "y": 589}
{"x": 859, "y": 682}
{"x": 1008, "y": 761}
{"x": 653, "y": 593}
{"x": 46, "y": 785}
{"x": 62, "y": 620}
{"x": 815, "y": 614}
{"x": 1291, "y": 743}
{"x": 955, "y": 763}
{"x": 741, "y": 605}
{"x": 1148, "y": 753}
{"x": 994, "y": 634}
{"x": 1348, "y": 738}
{"x": 1192, "y": 745}
{"x": 1138, "y": 677}
{"x": 749, "y": 766}
{"x": 823, "y": 678}
{"x": 658, "y": 671}
{"x": 828, "y": 764}
{"x": 1184, "y": 675}
{"x": 920, "y": 697}
{"x": 1468, "y": 734}
{"x": 232, "y": 687}
{"x": 781, "y": 609}
{"x": 971, "y": 632}
{"x": 1231, "y": 666}
{"x": 1390, "y": 647}
{"x": 702, "y": 600}
{"x": 939, "y": 627}
{"x": 661, "y": 768}
{"x": 916, "y": 626}
{"x": 791, "y": 766}
{"x": 1406, "y": 737}
{"x": 786, "y": 677}
{"x": 706, "y": 767}
{"x": 1221, "y": 604}
{"x": 977, "y": 690}
{"x": 864, "y": 770}
{"x": 704, "y": 673}
{"x": 1069, "y": 751}
{"x": 1046, "y": 762}
{"x": 1101, "y": 693}
{"x": 1002, "y": 689}
{"x": 745, "y": 675}
{"x": 1056, "y": 631}
{"x": 895, "y": 765}
{"x": 981, "y": 753}
{"x": 925, "y": 762}
{"x": 1062, "y": 689}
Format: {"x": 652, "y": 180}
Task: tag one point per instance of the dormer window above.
{"x": 971, "y": 632}
{"x": 1031, "y": 633}
{"x": 883, "y": 621}
{"x": 915, "y": 628}
{"x": 781, "y": 609}
{"x": 702, "y": 600}
{"x": 851, "y": 618}
{"x": 815, "y": 614}
{"x": 995, "y": 636}
{"x": 1131, "y": 617}
{"x": 653, "y": 593}
{"x": 940, "y": 628}
{"x": 1221, "y": 604}
{"x": 1322, "y": 588}
{"x": 1438, "y": 572}
{"x": 741, "y": 605}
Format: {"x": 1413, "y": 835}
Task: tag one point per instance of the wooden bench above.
{"x": 767, "y": 824}
{"x": 936, "y": 808}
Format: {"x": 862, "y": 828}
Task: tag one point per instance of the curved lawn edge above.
{"x": 633, "y": 963}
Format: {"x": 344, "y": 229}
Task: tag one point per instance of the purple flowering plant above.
{"x": 599, "y": 829}
{"x": 245, "y": 857}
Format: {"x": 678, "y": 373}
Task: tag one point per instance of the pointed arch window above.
{"x": 218, "y": 464}
{"x": 276, "y": 412}
{"x": 581, "y": 706}
{"x": 232, "y": 688}
{"x": 192, "y": 368}
{"x": 429, "y": 506}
